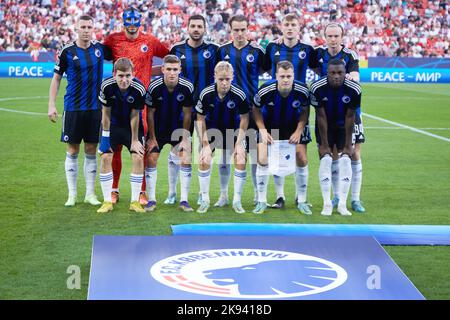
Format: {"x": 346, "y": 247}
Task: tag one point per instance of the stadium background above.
{"x": 406, "y": 157}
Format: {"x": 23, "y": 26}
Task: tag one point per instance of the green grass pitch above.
{"x": 405, "y": 181}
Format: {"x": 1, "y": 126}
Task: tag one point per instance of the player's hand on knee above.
{"x": 323, "y": 150}
{"x": 136, "y": 146}
{"x": 295, "y": 137}
{"x": 348, "y": 150}
{"x": 206, "y": 154}
{"x": 151, "y": 144}
{"x": 185, "y": 145}
{"x": 266, "y": 137}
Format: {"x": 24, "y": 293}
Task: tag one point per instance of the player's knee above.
{"x": 90, "y": 148}
{"x": 240, "y": 159}
{"x": 152, "y": 159}
{"x": 356, "y": 153}
{"x": 136, "y": 158}
{"x": 73, "y": 149}
{"x": 106, "y": 159}
{"x": 185, "y": 158}
{"x": 302, "y": 159}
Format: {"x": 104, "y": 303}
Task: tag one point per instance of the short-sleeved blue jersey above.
{"x": 281, "y": 112}
{"x": 122, "y": 103}
{"x": 84, "y": 70}
{"x": 301, "y": 55}
{"x": 197, "y": 64}
{"x": 247, "y": 63}
{"x": 223, "y": 113}
{"x": 169, "y": 105}
{"x": 336, "y": 101}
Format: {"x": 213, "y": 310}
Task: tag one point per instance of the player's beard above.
{"x": 196, "y": 37}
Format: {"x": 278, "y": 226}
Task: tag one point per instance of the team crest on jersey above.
{"x": 296, "y": 104}
{"x": 98, "y": 54}
{"x": 302, "y": 54}
{"x": 144, "y": 48}
{"x": 66, "y": 138}
{"x": 345, "y": 99}
{"x": 250, "y": 58}
{"x": 231, "y": 104}
{"x": 130, "y": 99}
{"x": 180, "y": 97}
{"x": 206, "y": 54}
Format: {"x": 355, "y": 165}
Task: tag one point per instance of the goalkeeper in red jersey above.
{"x": 140, "y": 48}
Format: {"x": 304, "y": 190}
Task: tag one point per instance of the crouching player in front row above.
{"x": 226, "y": 107}
{"x": 281, "y": 112}
{"x": 336, "y": 100}
{"x": 169, "y": 101}
{"x": 122, "y": 97}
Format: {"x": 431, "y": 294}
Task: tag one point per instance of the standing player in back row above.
{"x": 198, "y": 59}
{"x": 334, "y": 49}
{"x": 301, "y": 56}
{"x": 82, "y": 62}
{"x": 247, "y": 60}
{"x": 140, "y": 48}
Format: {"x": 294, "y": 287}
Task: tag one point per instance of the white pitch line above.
{"x": 399, "y": 128}
{"x": 406, "y": 127}
{"x": 22, "y": 98}
{"x": 24, "y": 112}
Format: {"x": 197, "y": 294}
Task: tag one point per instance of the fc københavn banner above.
{"x": 217, "y": 267}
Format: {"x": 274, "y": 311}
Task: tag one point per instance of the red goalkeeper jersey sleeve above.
{"x": 140, "y": 50}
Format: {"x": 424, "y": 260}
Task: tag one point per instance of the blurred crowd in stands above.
{"x": 373, "y": 28}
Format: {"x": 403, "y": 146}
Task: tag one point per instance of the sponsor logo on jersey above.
{"x": 236, "y": 273}
{"x": 277, "y": 53}
{"x": 183, "y": 56}
{"x": 75, "y": 58}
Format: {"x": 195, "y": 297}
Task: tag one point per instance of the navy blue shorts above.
{"x": 122, "y": 136}
{"x": 80, "y": 126}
